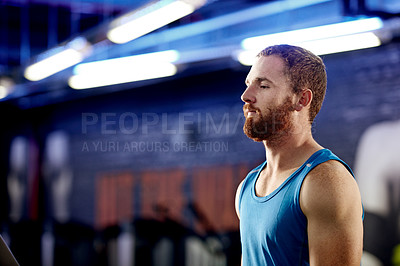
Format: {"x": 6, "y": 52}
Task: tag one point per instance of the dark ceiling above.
{"x": 29, "y": 27}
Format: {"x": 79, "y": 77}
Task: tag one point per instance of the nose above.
{"x": 248, "y": 96}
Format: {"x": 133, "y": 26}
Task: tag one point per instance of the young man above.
{"x": 301, "y": 206}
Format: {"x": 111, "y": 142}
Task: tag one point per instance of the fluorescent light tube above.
{"x": 136, "y": 27}
{"x": 342, "y": 43}
{"x": 6, "y": 87}
{"x": 124, "y": 69}
{"x": 119, "y": 76}
{"x": 53, "y": 64}
{"x": 63, "y": 57}
{"x": 323, "y": 46}
{"x": 103, "y": 67}
{"x": 247, "y": 57}
{"x": 314, "y": 33}
{"x": 3, "y": 92}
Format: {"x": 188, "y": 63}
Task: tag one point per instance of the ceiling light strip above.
{"x": 323, "y": 46}
{"x": 119, "y": 76}
{"x": 314, "y": 33}
{"x": 58, "y": 59}
{"x": 124, "y": 69}
{"x": 128, "y": 29}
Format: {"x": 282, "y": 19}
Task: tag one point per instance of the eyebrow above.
{"x": 260, "y": 79}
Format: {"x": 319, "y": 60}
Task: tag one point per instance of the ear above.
{"x": 304, "y": 99}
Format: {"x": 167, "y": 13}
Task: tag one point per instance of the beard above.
{"x": 271, "y": 127}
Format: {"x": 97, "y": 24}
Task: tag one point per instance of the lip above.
{"x": 250, "y": 112}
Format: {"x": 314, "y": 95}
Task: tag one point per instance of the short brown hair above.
{"x": 304, "y": 70}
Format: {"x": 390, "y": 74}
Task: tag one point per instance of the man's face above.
{"x": 268, "y": 100}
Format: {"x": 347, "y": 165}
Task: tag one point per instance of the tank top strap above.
{"x": 322, "y": 156}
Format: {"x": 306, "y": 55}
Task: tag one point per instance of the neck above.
{"x": 290, "y": 152}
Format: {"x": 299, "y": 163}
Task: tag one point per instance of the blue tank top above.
{"x": 273, "y": 229}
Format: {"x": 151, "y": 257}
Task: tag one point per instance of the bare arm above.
{"x": 237, "y": 207}
{"x": 237, "y": 199}
{"x": 331, "y": 201}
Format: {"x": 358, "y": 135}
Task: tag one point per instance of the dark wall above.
{"x": 363, "y": 89}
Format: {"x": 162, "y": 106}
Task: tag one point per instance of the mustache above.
{"x": 249, "y": 107}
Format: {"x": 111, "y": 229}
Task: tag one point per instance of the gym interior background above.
{"x": 145, "y": 172}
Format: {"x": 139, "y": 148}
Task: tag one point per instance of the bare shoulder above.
{"x": 330, "y": 171}
{"x": 330, "y": 187}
